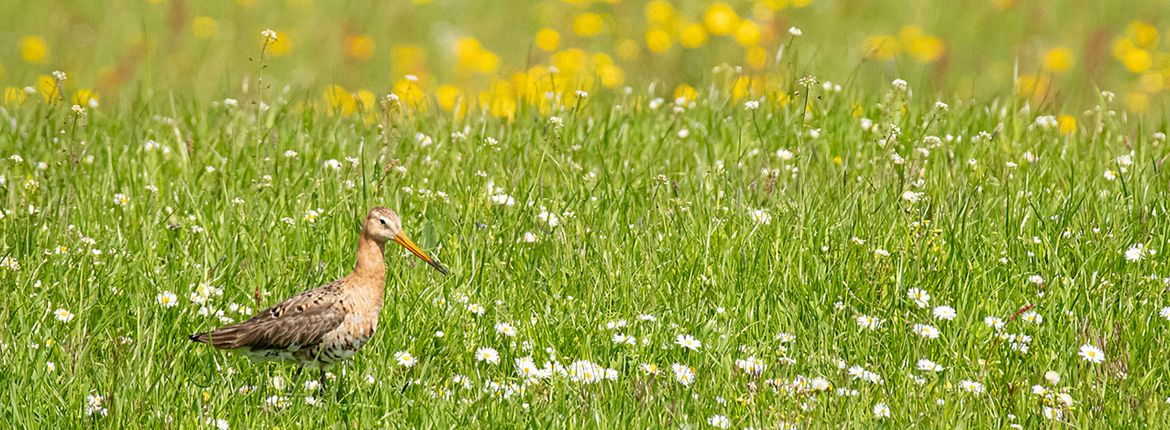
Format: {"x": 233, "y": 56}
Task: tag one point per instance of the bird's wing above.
{"x": 296, "y": 323}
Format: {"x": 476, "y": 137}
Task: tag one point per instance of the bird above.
{"x": 327, "y": 325}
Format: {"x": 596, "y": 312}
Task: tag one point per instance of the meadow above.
{"x": 889, "y": 219}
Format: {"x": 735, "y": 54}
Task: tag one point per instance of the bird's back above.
{"x": 294, "y": 329}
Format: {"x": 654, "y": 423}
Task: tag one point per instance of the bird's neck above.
{"x": 370, "y": 261}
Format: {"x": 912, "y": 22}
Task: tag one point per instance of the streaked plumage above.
{"x": 328, "y": 324}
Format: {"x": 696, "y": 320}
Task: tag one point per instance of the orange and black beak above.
{"x": 401, "y": 239}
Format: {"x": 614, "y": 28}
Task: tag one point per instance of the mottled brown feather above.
{"x": 299, "y": 322}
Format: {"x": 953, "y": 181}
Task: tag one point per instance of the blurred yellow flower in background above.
{"x": 548, "y": 40}
{"x": 1033, "y": 86}
{"x": 658, "y": 40}
{"x": 1144, "y": 35}
{"x": 85, "y": 97}
{"x": 366, "y": 100}
{"x": 13, "y": 95}
{"x": 410, "y": 91}
{"x": 747, "y": 34}
{"x": 47, "y": 87}
{"x": 447, "y": 96}
{"x": 588, "y": 24}
{"x": 339, "y": 101}
{"x": 359, "y": 46}
{"x": 407, "y": 59}
{"x": 500, "y": 100}
{"x": 685, "y": 92}
{"x": 570, "y": 61}
{"x": 472, "y": 57}
{"x": 611, "y": 75}
{"x": 1122, "y": 46}
{"x": 774, "y": 5}
{"x": 692, "y": 36}
{"x": 882, "y": 47}
{"x": 204, "y": 27}
{"x": 1067, "y": 123}
{"x": 720, "y": 19}
{"x": 1137, "y": 60}
{"x": 659, "y": 12}
{"x": 1058, "y": 59}
{"x": 34, "y": 50}
{"x": 756, "y": 57}
{"x": 281, "y": 46}
{"x": 922, "y": 47}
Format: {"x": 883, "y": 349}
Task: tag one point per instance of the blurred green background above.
{"x": 473, "y": 54}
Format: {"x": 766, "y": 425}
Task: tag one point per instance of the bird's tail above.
{"x": 200, "y": 337}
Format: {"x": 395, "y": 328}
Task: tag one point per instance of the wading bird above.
{"x": 328, "y": 324}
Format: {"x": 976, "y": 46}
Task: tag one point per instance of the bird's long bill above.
{"x": 401, "y": 239}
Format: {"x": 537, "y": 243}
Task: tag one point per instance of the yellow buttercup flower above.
{"x": 775, "y": 5}
{"x": 281, "y": 46}
{"x": 407, "y": 59}
{"x": 446, "y": 96}
{"x": 720, "y": 19}
{"x": 756, "y": 57}
{"x": 13, "y": 95}
{"x": 748, "y": 33}
{"x": 1067, "y": 123}
{"x": 882, "y": 47}
{"x": 500, "y": 100}
{"x": 685, "y": 92}
{"x": 1121, "y": 47}
{"x": 365, "y": 100}
{"x": 659, "y": 12}
{"x": 1058, "y": 59}
{"x": 1144, "y": 35}
{"x": 409, "y": 92}
{"x": 744, "y": 87}
{"x": 692, "y": 36}
{"x": 658, "y": 40}
{"x": 339, "y": 101}
{"x": 570, "y": 62}
{"x": 922, "y": 47}
{"x": 359, "y": 46}
{"x": 611, "y": 76}
{"x": 588, "y": 24}
{"x": 85, "y": 97}
{"x": 548, "y": 39}
{"x": 473, "y": 57}
{"x": 1034, "y": 86}
{"x": 34, "y": 50}
{"x": 1137, "y": 60}
{"x": 204, "y": 27}
{"x": 47, "y": 87}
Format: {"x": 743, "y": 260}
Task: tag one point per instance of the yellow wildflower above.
{"x": 34, "y": 50}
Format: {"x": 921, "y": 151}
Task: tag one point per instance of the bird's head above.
{"x": 382, "y": 225}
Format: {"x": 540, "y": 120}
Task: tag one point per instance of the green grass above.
{"x": 650, "y": 223}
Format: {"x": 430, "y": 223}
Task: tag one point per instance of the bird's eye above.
{"x": 382, "y": 220}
